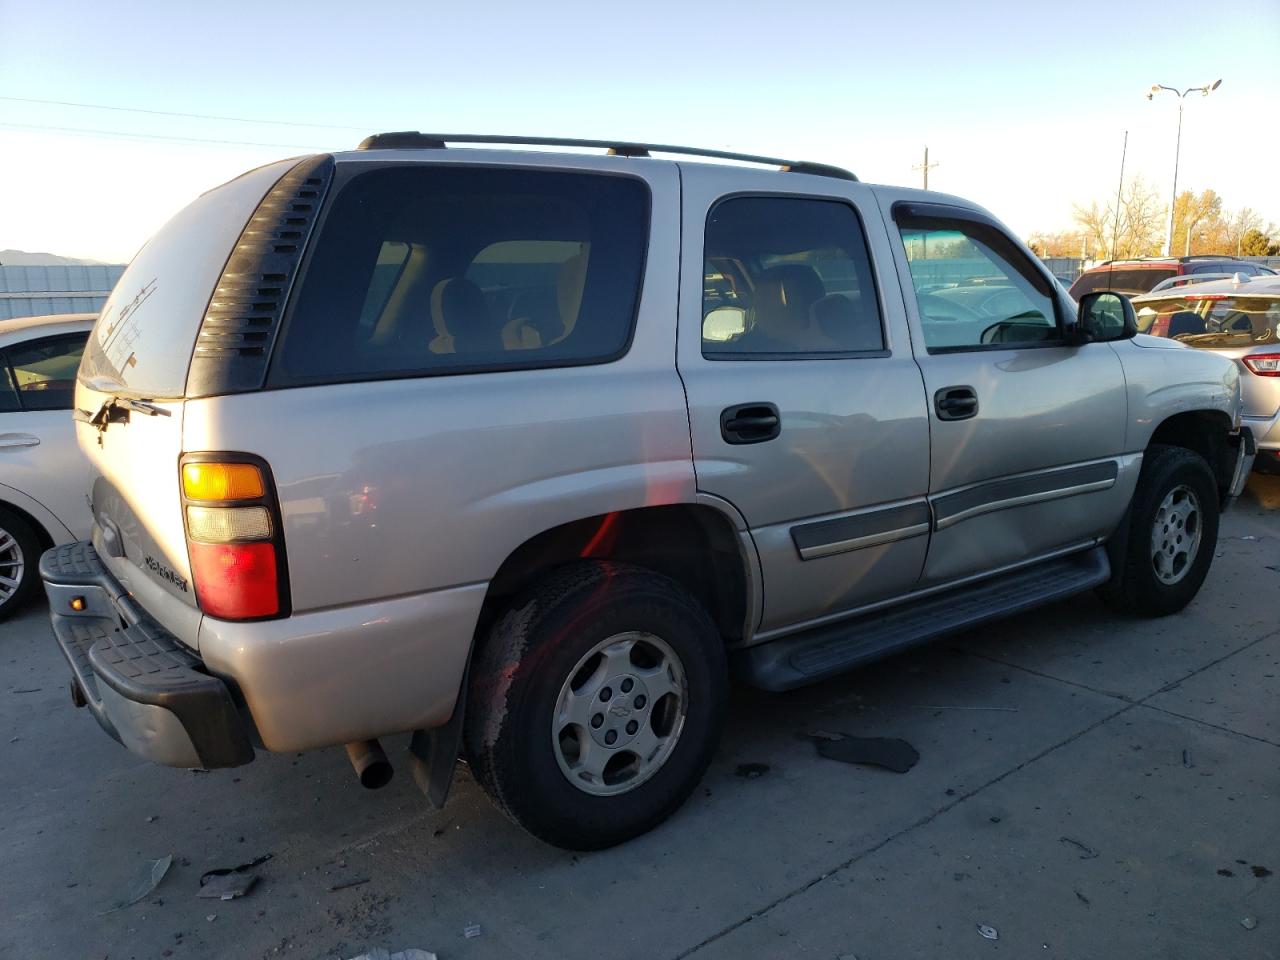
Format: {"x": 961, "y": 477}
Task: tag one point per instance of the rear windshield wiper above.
{"x": 116, "y": 410}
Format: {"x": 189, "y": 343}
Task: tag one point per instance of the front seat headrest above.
{"x": 459, "y": 311}
{"x": 784, "y": 296}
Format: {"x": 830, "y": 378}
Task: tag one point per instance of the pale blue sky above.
{"x": 1023, "y": 105}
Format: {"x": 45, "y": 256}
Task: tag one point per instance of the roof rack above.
{"x": 412, "y": 140}
{"x": 1191, "y": 279}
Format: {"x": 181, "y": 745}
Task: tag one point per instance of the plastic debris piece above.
{"x": 1086, "y": 852}
{"x": 349, "y": 882}
{"x": 750, "y": 771}
{"x": 888, "y": 752}
{"x": 212, "y": 917}
{"x": 988, "y": 931}
{"x": 471, "y": 931}
{"x": 147, "y": 880}
{"x": 1248, "y": 923}
{"x": 411, "y": 953}
{"x": 1186, "y": 759}
{"x": 227, "y": 886}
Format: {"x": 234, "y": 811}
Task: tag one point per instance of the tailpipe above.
{"x": 373, "y": 769}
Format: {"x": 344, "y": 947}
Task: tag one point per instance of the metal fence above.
{"x": 35, "y": 291}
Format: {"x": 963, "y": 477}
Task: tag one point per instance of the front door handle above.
{"x": 956, "y": 403}
{"x": 750, "y": 423}
{"x": 9, "y": 440}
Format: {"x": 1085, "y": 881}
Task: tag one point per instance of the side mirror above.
{"x": 1104, "y": 317}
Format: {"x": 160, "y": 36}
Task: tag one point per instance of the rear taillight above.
{"x": 234, "y": 539}
{"x": 1263, "y": 364}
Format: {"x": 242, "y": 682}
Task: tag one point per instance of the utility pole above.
{"x": 925, "y": 167}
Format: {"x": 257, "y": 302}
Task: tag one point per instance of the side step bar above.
{"x": 825, "y": 651}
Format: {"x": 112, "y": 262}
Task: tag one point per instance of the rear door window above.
{"x": 787, "y": 278}
{"x": 1120, "y": 278}
{"x": 426, "y": 270}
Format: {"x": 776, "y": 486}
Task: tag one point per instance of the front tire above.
{"x": 1171, "y": 536}
{"x": 19, "y": 554}
{"x": 595, "y": 704}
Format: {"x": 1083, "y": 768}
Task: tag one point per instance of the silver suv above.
{"x": 523, "y": 451}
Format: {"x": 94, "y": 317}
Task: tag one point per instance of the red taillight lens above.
{"x": 1263, "y": 364}
{"x": 235, "y": 581}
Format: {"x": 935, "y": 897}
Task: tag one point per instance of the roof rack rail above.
{"x": 410, "y": 139}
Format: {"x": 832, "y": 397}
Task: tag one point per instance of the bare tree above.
{"x": 1134, "y": 233}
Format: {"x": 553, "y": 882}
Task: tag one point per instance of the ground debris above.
{"x": 888, "y": 752}
{"x": 228, "y": 883}
{"x": 1086, "y": 852}
{"x": 147, "y": 880}
{"x": 1248, "y": 923}
{"x": 750, "y": 771}
{"x": 1259, "y": 871}
{"x": 989, "y": 932}
{"x": 1186, "y": 759}
{"x": 348, "y": 883}
{"x": 411, "y": 953}
{"x": 471, "y": 931}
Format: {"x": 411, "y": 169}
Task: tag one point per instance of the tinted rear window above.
{"x": 142, "y": 343}
{"x": 1210, "y": 321}
{"x": 1121, "y": 279}
{"x": 434, "y": 270}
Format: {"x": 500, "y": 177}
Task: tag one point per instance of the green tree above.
{"x": 1255, "y": 243}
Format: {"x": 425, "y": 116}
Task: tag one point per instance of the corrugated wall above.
{"x": 35, "y": 291}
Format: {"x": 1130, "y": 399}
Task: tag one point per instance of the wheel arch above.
{"x": 1204, "y": 432}
{"x": 702, "y": 546}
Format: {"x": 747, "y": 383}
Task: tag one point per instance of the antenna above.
{"x": 1115, "y": 229}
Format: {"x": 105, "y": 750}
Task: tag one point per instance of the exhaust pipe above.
{"x": 373, "y": 769}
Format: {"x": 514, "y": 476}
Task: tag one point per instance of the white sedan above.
{"x": 42, "y": 472}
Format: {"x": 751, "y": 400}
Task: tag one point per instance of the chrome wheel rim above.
{"x": 1176, "y": 534}
{"x": 12, "y": 565}
{"x": 620, "y": 714}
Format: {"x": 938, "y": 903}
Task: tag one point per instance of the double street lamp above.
{"x": 1181, "y": 95}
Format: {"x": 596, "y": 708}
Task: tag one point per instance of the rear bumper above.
{"x": 142, "y": 686}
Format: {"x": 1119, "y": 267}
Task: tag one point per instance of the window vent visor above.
{"x": 240, "y": 324}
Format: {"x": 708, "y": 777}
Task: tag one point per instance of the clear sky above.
{"x": 1022, "y": 104}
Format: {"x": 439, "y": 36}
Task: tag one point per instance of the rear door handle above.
{"x": 750, "y": 423}
{"x": 10, "y": 440}
{"x": 956, "y": 403}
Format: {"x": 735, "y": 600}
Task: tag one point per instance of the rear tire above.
{"x": 1171, "y": 535}
{"x": 19, "y": 555}
{"x": 595, "y": 704}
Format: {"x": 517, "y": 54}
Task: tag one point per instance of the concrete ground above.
{"x": 1088, "y": 785}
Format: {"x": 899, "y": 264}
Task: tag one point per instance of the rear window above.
{"x": 142, "y": 343}
{"x": 434, "y": 270}
{"x": 1121, "y": 279}
{"x": 1212, "y": 321}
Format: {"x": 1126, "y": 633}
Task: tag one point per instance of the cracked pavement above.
{"x": 1089, "y": 785}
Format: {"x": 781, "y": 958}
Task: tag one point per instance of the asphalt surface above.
{"x": 1088, "y": 786}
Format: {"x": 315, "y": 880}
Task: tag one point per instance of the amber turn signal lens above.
{"x": 77, "y": 604}
{"x": 222, "y": 481}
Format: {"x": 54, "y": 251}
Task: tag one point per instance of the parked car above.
{"x": 1238, "y": 319}
{"x": 42, "y": 474}
{"x": 520, "y": 451}
{"x": 1134, "y": 277}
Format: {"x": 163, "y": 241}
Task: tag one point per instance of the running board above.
{"x": 825, "y": 651}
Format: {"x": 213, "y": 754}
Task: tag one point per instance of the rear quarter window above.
{"x": 142, "y": 343}
{"x": 427, "y": 270}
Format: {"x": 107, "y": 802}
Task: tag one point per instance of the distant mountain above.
{"x": 21, "y": 258}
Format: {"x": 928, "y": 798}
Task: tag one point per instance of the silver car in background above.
{"x": 1238, "y": 318}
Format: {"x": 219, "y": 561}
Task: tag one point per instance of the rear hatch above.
{"x": 1242, "y": 327}
{"x": 130, "y": 390}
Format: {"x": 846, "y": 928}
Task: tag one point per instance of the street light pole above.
{"x": 1177, "y": 149}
